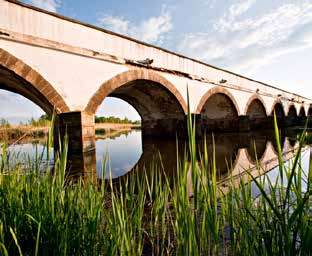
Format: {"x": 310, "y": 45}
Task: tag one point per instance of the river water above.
{"x": 127, "y": 152}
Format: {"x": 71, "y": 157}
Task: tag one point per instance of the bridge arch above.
{"x": 160, "y": 105}
{"x": 310, "y": 112}
{"x": 256, "y": 112}
{"x": 218, "y": 111}
{"x": 292, "y": 112}
{"x": 16, "y": 76}
{"x": 279, "y": 109}
{"x": 302, "y": 112}
{"x": 130, "y": 76}
{"x": 291, "y": 117}
{"x": 216, "y": 90}
{"x": 256, "y": 101}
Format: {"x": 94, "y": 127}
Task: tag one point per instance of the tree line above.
{"x": 44, "y": 120}
{"x": 113, "y": 119}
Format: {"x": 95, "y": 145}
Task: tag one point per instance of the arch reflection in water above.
{"x": 236, "y": 150}
{"x": 129, "y": 154}
{"x": 119, "y": 154}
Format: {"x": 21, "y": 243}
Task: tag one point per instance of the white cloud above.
{"x": 234, "y": 11}
{"x": 49, "y": 5}
{"x": 245, "y": 44}
{"x": 118, "y": 24}
{"x": 151, "y": 30}
{"x": 240, "y": 7}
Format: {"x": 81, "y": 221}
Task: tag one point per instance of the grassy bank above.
{"x": 43, "y": 214}
{"x": 18, "y": 132}
{"x": 14, "y": 133}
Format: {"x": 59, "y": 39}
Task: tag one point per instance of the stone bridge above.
{"x": 70, "y": 67}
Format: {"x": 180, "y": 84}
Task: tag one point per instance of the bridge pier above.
{"x": 79, "y": 128}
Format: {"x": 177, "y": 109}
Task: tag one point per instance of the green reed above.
{"x": 43, "y": 213}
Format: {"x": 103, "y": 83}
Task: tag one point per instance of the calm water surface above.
{"x": 127, "y": 152}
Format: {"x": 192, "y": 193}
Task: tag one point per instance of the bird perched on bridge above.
{"x": 145, "y": 62}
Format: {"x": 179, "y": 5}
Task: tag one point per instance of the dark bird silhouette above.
{"x": 222, "y": 81}
{"x": 145, "y": 62}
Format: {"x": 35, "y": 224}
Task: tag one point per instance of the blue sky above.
{"x": 270, "y": 41}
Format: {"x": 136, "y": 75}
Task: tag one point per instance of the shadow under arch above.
{"x": 301, "y": 119}
{"x": 160, "y": 105}
{"x": 16, "y": 76}
{"x": 310, "y": 111}
{"x": 291, "y": 117}
{"x": 278, "y": 108}
{"x": 130, "y": 76}
{"x": 218, "y": 111}
{"x": 292, "y": 111}
{"x": 257, "y": 113}
{"x": 302, "y": 112}
{"x": 256, "y": 98}
{"x": 212, "y": 91}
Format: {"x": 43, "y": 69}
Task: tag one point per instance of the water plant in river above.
{"x": 44, "y": 213}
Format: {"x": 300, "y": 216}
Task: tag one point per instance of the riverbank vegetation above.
{"x": 113, "y": 119}
{"x": 51, "y": 214}
{"x": 38, "y": 128}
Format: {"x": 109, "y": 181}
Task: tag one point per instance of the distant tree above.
{"x": 4, "y": 123}
{"x": 42, "y": 121}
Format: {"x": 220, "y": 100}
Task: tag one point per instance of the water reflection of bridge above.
{"x": 235, "y": 151}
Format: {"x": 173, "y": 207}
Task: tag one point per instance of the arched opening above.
{"x": 280, "y": 114}
{"x": 21, "y": 119}
{"x": 257, "y": 114}
{"x": 310, "y": 111}
{"x": 10, "y": 81}
{"x": 301, "y": 117}
{"x": 292, "y": 116}
{"x": 161, "y": 113}
{"x": 155, "y": 101}
{"x": 18, "y": 77}
{"x": 292, "y": 111}
{"x": 117, "y": 138}
{"x": 302, "y": 112}
{"x": 219, "y": 114}
{"x": 160, "y": 105}
{"x": 310, "y": 117}
{"x": 24, "y": 116}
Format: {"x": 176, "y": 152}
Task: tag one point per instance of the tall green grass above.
{"x": 43, "y": 214}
